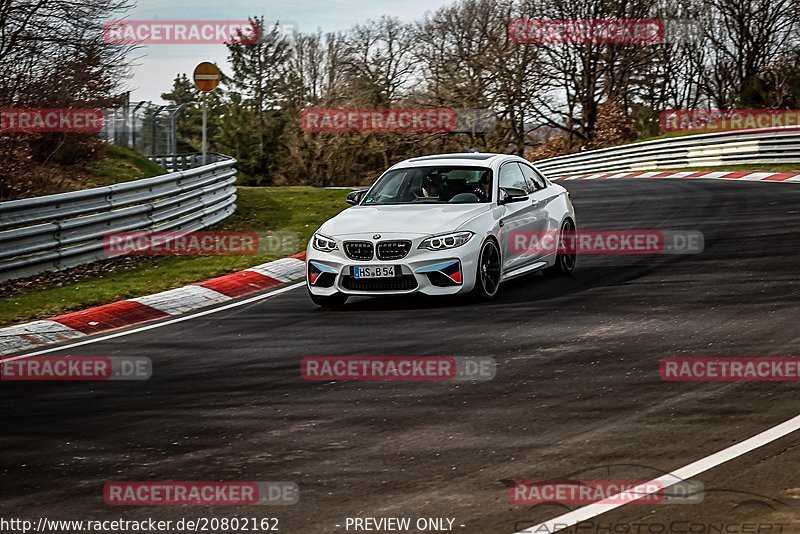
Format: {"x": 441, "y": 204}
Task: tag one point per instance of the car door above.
{"x": 545, "y": 199}
{"x": 518, "y": 219}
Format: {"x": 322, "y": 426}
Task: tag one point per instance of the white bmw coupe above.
{"x": 441, "y": 225}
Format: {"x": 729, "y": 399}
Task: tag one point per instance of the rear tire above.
{"x": 335, "y": 301}
{"x": 487, "y": 275}
{"x": 565, "y": 260}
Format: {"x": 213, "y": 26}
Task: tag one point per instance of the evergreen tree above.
{"x": 190, "y": 121}
{"x": 258, "y": 73}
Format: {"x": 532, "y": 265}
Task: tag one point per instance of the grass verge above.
{"x": 115, "y": 164}
{"x": 120, "y": 164}
{"x": 288, "y": 209}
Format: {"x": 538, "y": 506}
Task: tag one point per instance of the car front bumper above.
{"x": 442, "y": 272}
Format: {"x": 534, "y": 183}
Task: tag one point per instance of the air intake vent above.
{"x": 393, "y": 250}
{"x": 358, "y": 250}
{"x": 397, "y": 283}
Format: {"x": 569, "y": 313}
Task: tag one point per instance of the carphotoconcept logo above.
{"x": 76, "y": 368}
{"x": 176, "y": 493}
{"x": 399, "y": 368}
{"x": 604, "y": 242}
{"x": 683, "y": 492}
{"x": 730, "y": 369}
{"x": 611, "y": 31}
{"x": 177, "y": 243}
{"x": 679, "y": 525}
{"x": 42, "y": 120}
{"x": 709, "y": 120}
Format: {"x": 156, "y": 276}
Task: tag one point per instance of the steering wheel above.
{"x": 478, "y": 192}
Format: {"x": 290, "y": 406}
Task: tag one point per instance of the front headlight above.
{"x": 445, "y": 241}
{"x": 324, "y": 243}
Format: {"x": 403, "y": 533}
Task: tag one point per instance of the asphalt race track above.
{"x": 577, "y": 388}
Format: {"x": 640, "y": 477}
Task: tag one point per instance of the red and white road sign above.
{"x": 206, "y": 76}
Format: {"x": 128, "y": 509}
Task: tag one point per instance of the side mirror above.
{"x": 354, "y": 197}
{"x": 511, "y": 194}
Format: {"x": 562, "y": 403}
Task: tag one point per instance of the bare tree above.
{"x": 379, "y": 62}
{"x": 54, "y": 55}
{"x": 740, "y": 40}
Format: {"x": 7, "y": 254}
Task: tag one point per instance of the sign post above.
{"x": 205, "y": 130}
{"x": 206, "y": 79}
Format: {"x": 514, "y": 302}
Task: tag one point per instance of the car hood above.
{"x": 427, "y": 219}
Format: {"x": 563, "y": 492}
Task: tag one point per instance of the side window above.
{"x": 533, "y": 176}
{"x": 511, "y": 176}
{"x": 542, "y": 177}
{"x": 529, "y": 182}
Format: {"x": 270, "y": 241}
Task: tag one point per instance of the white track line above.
{"x": 690, "y": 471}
{"x": 157, "y": 325}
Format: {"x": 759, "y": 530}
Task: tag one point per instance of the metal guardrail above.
{"x": 752, "y": 147}
{"x": 55, "y": 232}
{"x": 181, "y": 162}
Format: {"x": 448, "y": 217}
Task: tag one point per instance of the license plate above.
{"x": 375, "y": 271}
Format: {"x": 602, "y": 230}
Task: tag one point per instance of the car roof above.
{"x": 466, "y": 158}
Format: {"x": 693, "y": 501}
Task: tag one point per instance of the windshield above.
{"x": 432, "y": 185}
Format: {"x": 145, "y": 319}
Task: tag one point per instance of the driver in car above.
{"x": 484, "y": 189}
{"x": 430, "y": 188}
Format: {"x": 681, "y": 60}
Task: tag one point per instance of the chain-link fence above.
{"x": 146, "y": 127}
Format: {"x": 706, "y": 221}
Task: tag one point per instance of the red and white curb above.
{"x": 746, "y": 176}
{"x": 159, "y": 305}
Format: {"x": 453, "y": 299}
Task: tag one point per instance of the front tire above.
{"x": 335, "y": 301}
{"x": 487, "y": 277}
{"x": 565, "y": 258}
